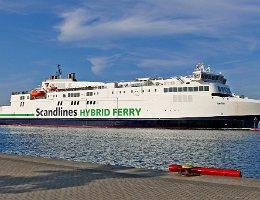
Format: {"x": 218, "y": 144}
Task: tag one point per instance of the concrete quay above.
{"x": 24, "y": 177}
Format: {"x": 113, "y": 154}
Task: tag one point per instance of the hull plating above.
{"x": 231, "y": 122}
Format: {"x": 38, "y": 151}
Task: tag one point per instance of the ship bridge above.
{"x": 201, "y": 73}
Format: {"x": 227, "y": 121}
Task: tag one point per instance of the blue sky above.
{"x": 114, "y": 40}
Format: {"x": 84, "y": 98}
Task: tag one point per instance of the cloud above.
{"x": 101, "y": 63}
{"x": 167, "y": 63}
{"x": 155, "y": 18}
{"x": 78, "y": 25}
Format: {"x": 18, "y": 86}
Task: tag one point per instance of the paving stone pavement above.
{"x": 24, "y": 177}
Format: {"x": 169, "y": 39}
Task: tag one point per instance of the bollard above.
{"x": 186, "y": 170}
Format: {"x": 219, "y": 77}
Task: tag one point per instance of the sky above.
{"x": 115, "y": 40}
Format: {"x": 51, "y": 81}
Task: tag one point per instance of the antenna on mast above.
{"x": 59, "y": 72}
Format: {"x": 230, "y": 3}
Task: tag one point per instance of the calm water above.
{"x": 142, "y": 148}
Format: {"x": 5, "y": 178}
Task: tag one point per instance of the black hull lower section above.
{"x": 230, "y": 122}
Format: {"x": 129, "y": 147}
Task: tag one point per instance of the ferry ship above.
{"x": 202, "y": 100}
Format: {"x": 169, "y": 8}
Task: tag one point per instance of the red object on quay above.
{"x": 207, "y": 171}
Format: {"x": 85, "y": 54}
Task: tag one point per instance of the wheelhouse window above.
{"x": 206, "y": 88}
{"x": 187, "y": 89}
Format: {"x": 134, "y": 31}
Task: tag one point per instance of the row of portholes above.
{"x": 74, "y": 103}
{"x": 91, "y": 102}
{"x": 132, "y": 91}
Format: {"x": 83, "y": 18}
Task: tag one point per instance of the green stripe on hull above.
{"x": 16, "y": 115}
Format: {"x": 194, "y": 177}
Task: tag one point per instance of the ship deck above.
{"x": 24, "y": 177}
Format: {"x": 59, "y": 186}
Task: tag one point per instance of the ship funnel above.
{"x": 72, "y": 76}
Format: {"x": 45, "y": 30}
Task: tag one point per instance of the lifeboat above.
{"x": 207, "y": 171}
{"x": 37, "y": 93}
{"x": 52, "y": 88}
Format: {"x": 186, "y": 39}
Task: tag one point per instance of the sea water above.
{"x": 141, "y": 148}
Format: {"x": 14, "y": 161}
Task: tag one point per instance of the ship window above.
{"x": 71, "y": 103}
{"x": 170, "y": 89}
{"x": 155, "y": 90}
{"x": 166, "y": 90}
{"x": 179, "y": 89}
{"x": 22, "y": 97}
{"x": 131, "y": 91}
{"x": 97, "y": 93}
{"x": 185, "y": 89}
{"x": 69, "y": 95}
{"x": 229, "y": 91}
{"x": 206, "y": 88}
{"x": 200, "y": 88}
{"x": 89, "y": 93}
{"x": 90, "y": 102}
{"x": 226, "y": 90}
{"x": 175, "y": 89}
{"x": 64, "y": 95}
{"x": 149, "y": 90}
{"x": 78, "y": 103}
{"x": 190, "y": 89}
{"x": 196, "y": 89}
{"x": 112, "y": 92}
{"x": 87, "y": 102}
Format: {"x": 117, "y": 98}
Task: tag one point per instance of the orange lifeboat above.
{"x": 37, "y": 93}
{"x": 52, "y": 88}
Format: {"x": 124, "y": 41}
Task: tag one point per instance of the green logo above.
{"x": 116, "y": 112}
